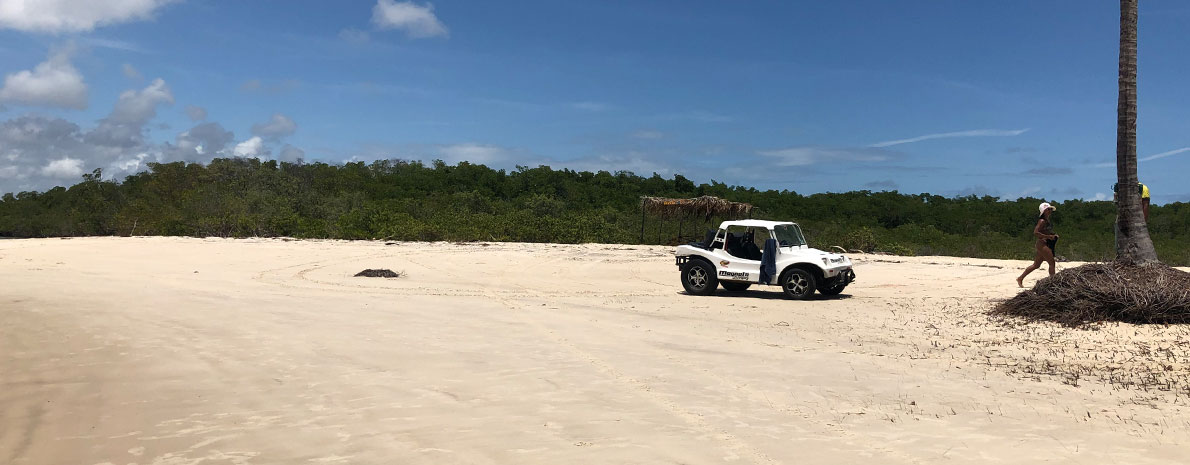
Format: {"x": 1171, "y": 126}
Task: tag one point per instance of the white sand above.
{"x": 188, "y": 351}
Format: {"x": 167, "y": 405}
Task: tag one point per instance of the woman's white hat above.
{"x": 1045, "y": 206}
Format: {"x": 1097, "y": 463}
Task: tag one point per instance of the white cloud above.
{"x": 632, "y": 160}
{"x": 1148, "y": 158}
{"x": 809, "y": 155}
{"x": 477, "y": 153}
{"x": 474, "y": 153}
{"x": 38, "y": 152}
{"x": 1163, "y": 154}
{"x": 121, "y": 45}
{"x": 253, "y": 147}
{"x": 130, "y": 72}
{"x": 1066, "y": 193}
{"x": 498, "y": 156}
{"x": 1029, "y": 191}
{"x": 291, "y": 154}
{"x": 141, "y": 106}
{"x": 124, "y": 126}
{"x": 56, "y": 16}
{"x": 883, "y": 185}
{"x": 35, "y": 131}
{"x": 206, "y": 139}
{"x": 978, "y": 190}
{"x": 65, "y": 167}
{"x": 130, "y": 164}
{"x": 416, "y": 21}
{"x": 54, "y": 83}
{"x": 196, "y": 113}
{"x": 354, "y": 35}
{"x": 948, "y": 135}
{"x": 1100, "y": 196}
{"x": 276, "y": 127}
{"x": 36, "y": 146}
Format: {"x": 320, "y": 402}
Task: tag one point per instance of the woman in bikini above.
{"x": 1046, "y": 241}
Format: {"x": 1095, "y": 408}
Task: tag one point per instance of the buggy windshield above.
{"x": 789, "y": 235}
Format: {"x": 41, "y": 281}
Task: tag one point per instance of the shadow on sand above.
{"x": 768, "y": 295}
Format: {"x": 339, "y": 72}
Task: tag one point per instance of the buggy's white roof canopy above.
{"x": 753, "y": 224}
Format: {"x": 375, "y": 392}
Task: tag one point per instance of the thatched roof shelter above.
{"x": 705, "y": 207}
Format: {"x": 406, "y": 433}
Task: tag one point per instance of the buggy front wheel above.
{"x": 798, "y": 284}
{"x": 698, "y": 277}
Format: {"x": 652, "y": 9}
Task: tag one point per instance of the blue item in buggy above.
{"x": 768, "y": 262}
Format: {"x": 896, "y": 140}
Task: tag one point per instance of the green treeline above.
{"x": 401, "y": 200}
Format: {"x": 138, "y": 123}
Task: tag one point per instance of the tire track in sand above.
{"x": 509, "y": 296}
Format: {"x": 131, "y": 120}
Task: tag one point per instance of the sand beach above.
{"x": 268, "y": 351}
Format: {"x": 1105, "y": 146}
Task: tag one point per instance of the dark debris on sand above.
{"x": 379, "y": 273}
{"x": 1099, "y": 292}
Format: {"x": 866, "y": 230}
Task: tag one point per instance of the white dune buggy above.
{"x": 735, "y": 257}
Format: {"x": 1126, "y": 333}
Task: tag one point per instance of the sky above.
{"x": 1010, "y": 98}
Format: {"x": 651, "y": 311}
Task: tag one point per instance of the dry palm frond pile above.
{"x": 1098, "y": 292}
{"x": 370, "y": 273}
{"x": 705, "y": 206}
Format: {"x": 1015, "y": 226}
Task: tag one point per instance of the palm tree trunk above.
{"x": 1133, "y": 244}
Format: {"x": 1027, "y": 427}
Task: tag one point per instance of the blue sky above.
{"x": 1004, "y": 98}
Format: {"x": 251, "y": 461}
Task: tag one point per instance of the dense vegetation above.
{"x": 411, "y": 201}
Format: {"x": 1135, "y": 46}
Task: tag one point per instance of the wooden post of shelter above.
{"x": 642, "y": 223}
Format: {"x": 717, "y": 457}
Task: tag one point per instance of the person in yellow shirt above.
{"x": 1144, "y": 198}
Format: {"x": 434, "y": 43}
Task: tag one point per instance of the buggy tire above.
{"x": 698, "y": 277}
{"x": 732, "y": 286}
{"x": 798, "y": 284}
